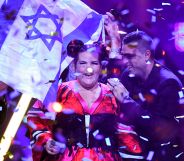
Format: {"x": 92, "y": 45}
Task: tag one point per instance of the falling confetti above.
{"x": 107, "y": 141}
{"x": 143, "y": 138}
{"x": 163, "y": 144}
{"x": 166, "y": 4}
{"x": 146, "y": 117}
{"x": 177, "y": 156}
{"x": 150, "y": 155}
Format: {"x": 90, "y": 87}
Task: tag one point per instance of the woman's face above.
{"x": 89, "y": 69}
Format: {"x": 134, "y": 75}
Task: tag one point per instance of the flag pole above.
{"x": 14, "y": 124}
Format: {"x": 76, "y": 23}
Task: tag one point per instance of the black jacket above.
{"x": 155, "y": 111}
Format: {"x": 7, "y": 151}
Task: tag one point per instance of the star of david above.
{"x": 35, "y": 33}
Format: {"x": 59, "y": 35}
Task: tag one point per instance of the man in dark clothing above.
{"x": 149, "y": 94}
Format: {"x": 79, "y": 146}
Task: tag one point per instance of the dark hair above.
{"x": 145, "y": 42}
{"x": 77, "y": 46}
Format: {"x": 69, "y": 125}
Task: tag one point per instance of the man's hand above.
{"x": 118, "y": 89}
{"x": 53, "y": 147}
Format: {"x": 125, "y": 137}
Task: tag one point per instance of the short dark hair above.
{"x": 145, "y": 42}
{"x": 77, "y": 46}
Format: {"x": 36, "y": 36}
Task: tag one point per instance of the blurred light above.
{"x": 89, "y": 70}
{"x": 179, "y": 40}
{"x": 122, "y": 32}
{"x": 56, "y": 107}
{"x": 163, "y": 53}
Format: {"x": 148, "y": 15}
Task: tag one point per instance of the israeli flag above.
{"x": 33, "y": 34}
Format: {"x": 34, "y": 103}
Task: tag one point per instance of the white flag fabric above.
{"x": 32, "y": 42}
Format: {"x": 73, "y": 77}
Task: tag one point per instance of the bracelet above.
{"x": 116, "y": 50}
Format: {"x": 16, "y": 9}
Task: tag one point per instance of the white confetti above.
{"x": 163, "y": 144}
{"x": 131, "y": 75}
{"x": 95, "y": 132}
{"x": 153, "y": 91}
{"x": 80, "y": 145}
{"x": 124, "y": 12}
{"x": 122, "y": 32}
{"x": 166, "y": 4}
{"x": 181, "y": 72}
{"x": 179, "y": 117}
{"x": 1, "y": 108}
{"x": 89, "y": 70}
{"x": 177, "y": 156}
{"x": 107, "y": 140}
{"x": 153, "y": 18}
{"x": 150, "y": 155}
{"x": 158, "y": 9}
{"x": 181, "y": 95}
{"x": 141, "y": 97}
{"x": 143, "y": 138}
{"x": 146, "y": 117}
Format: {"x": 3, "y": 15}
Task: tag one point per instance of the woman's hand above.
{"x": 53, "y": 147}
{"x": 118, "y": 89}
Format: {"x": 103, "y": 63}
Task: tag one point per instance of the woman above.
{"x": 87, "y": 128}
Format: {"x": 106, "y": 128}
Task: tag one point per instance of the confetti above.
{"x": 157, "y": 65}
{"x": 1, "y": 108}
{"x": 131, "y": 75}
{"x": 95, "y": 132}
{"x": 158, "y": 9}
{"x": 122, "y": 32}
{"x": 150, "y": 155}
{"x": 166, "y": 4}
{"x": 55, "y": 107}
{"x": 153, "y": 18}
{"x": 153, "y": 91}
{"x": 179, "y": 117}
{"x": 107, "y": 141}
{"x": 181, "y": 72}
{"x": 181, "y": 95}
{"x": 80, "y": 145}
{"x": 141, "y": 97}
{"x": 163, "y": 53}
{"x": 177, "y": 156}
{"x": 146, "y": 117}
{"x": 125, "y": 12}
{"x": 143, "y": 138}
{"x": 151, "y": 11}
{"x": 163, "y": 144}
{"x": 89, "y": 70}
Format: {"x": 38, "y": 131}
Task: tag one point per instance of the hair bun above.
{"x": 74, "y": 47}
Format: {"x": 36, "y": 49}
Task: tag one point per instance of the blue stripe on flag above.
{"x": 85, "y": 30}
{"x": 8, "y": 12}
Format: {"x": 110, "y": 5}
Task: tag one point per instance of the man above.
{"x": 155, "y": 89}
